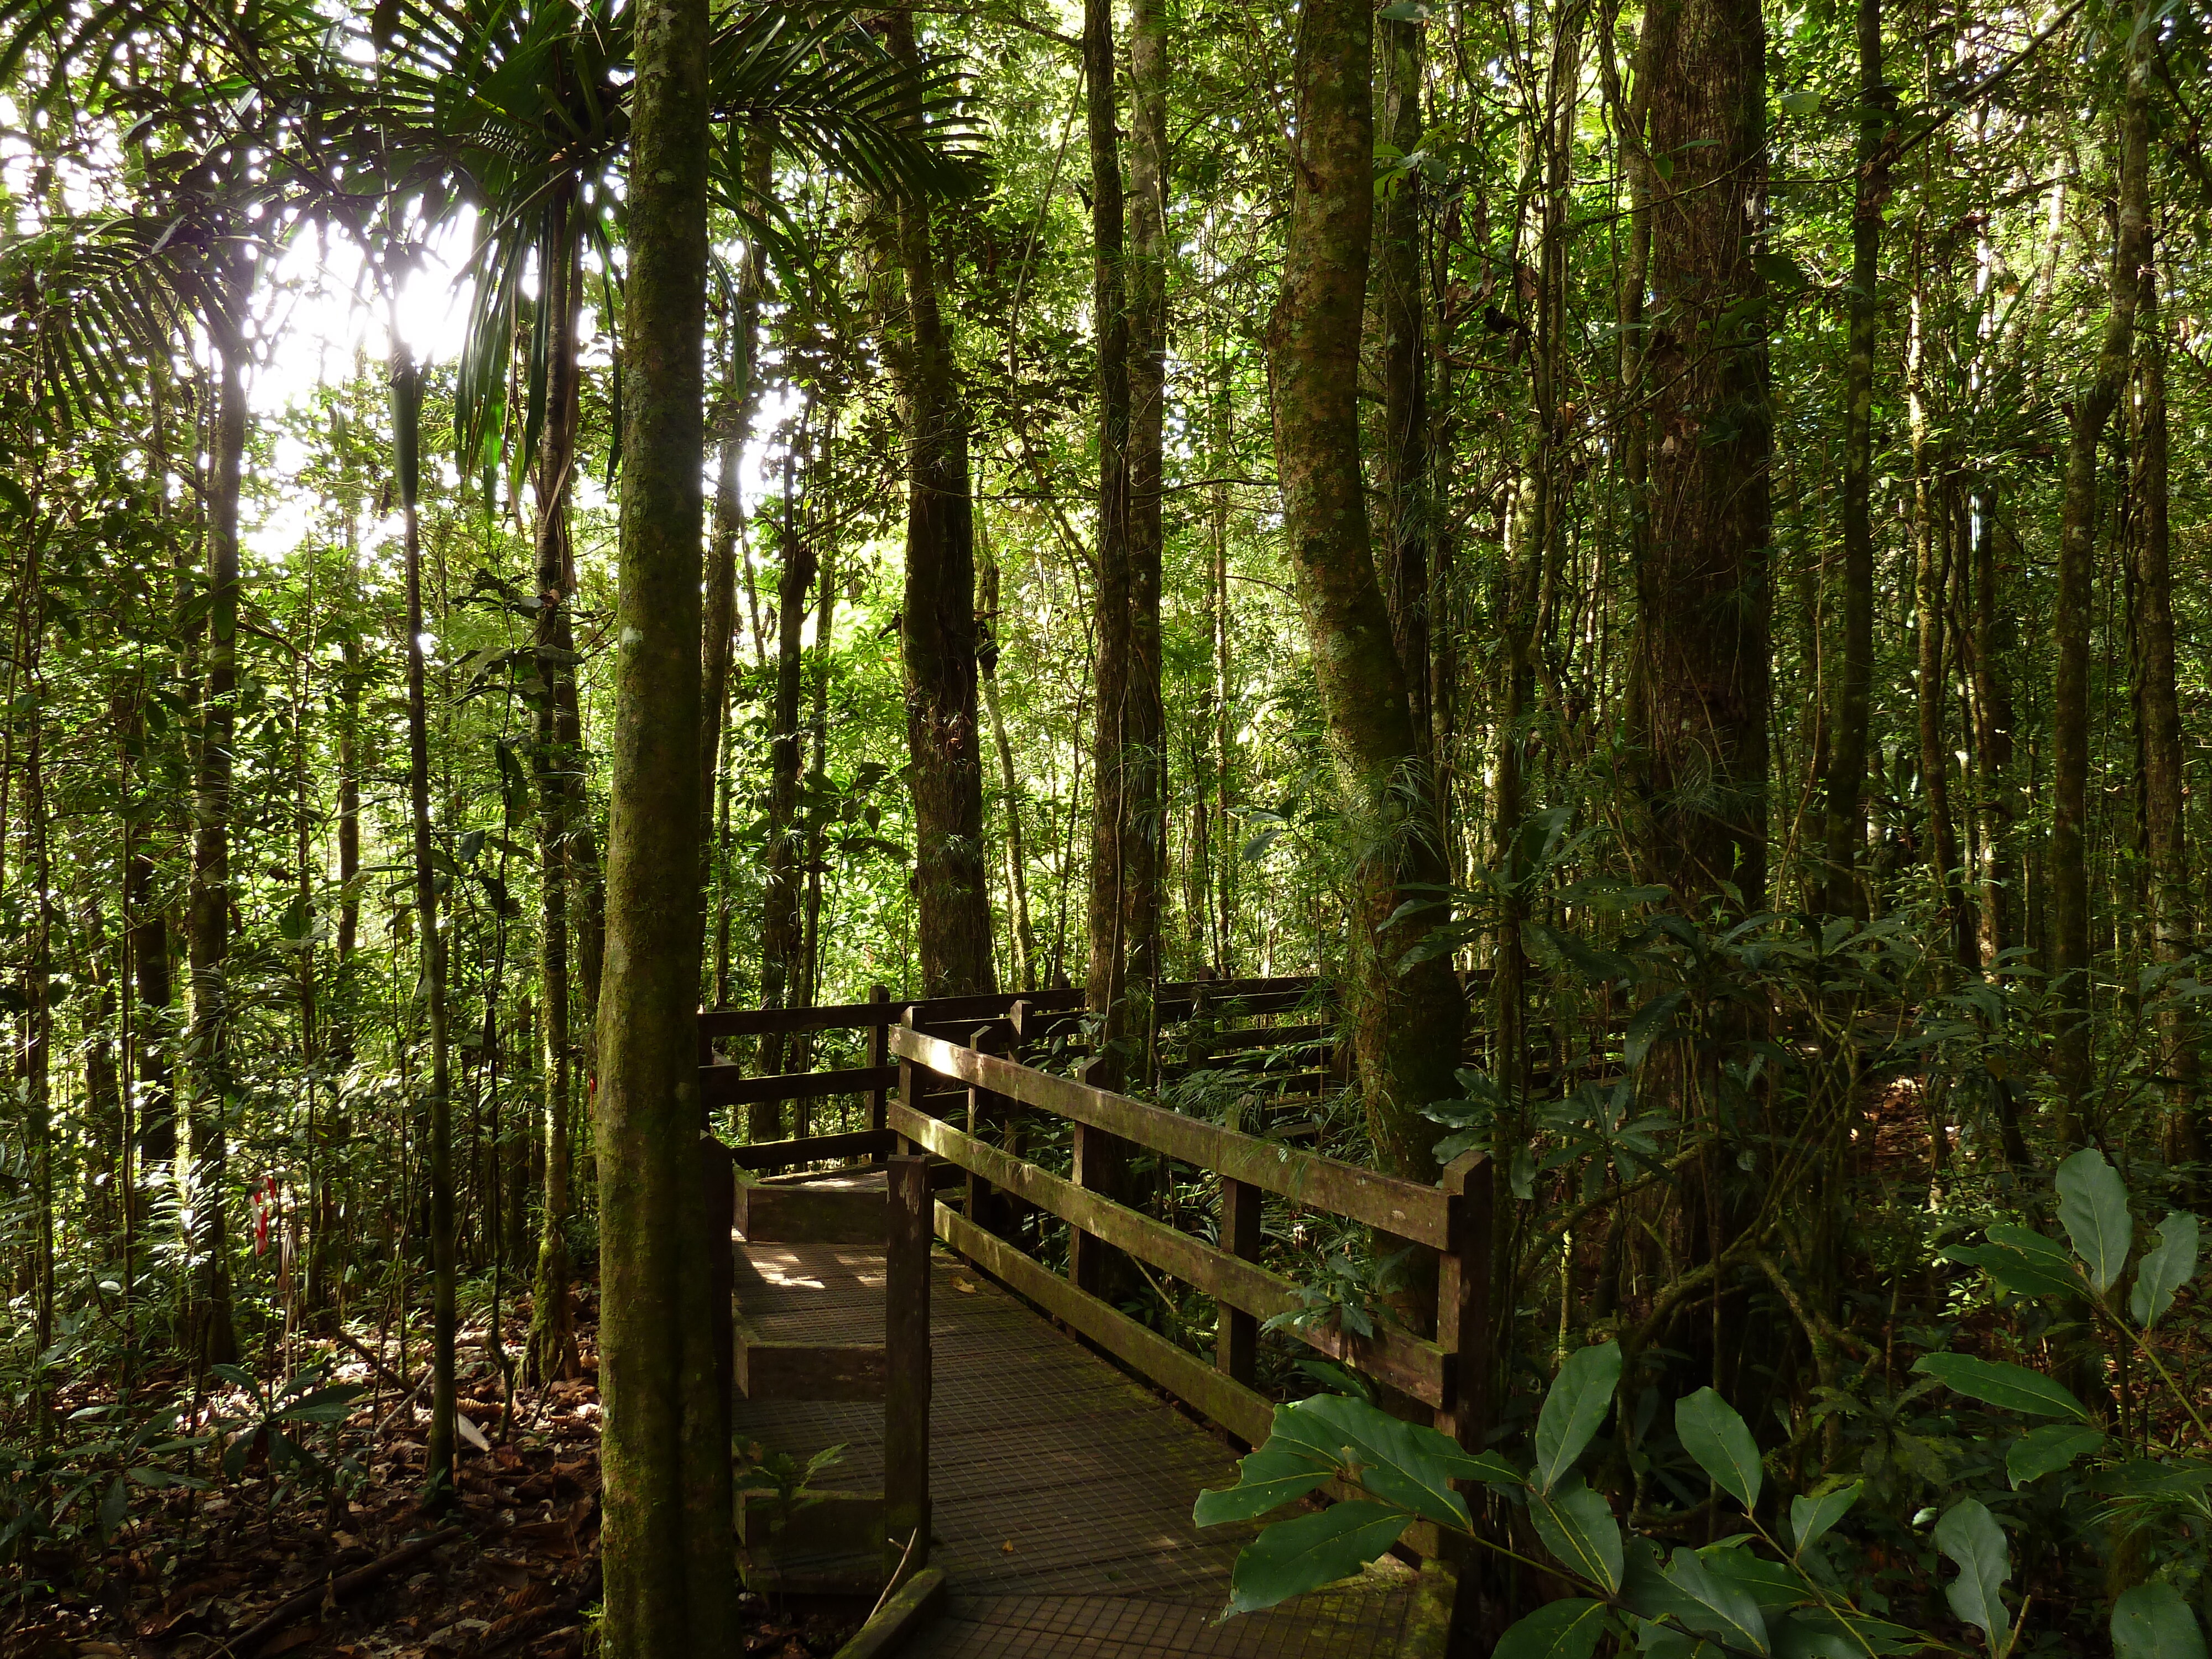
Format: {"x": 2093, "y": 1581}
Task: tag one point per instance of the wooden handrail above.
{"x": 1402, "y": 1207}
{"x": 1275, "y": 995}
{"x": 1396, "y": 1356}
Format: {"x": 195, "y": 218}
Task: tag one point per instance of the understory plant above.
{"x": 2112, "y": 1514}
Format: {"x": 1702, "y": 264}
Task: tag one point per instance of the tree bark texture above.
{"x": 938, "y": 624}
{"x": 667, "y": 1547}
{"x": 2071, "y": 951}
{"x": 1406, "y": 1025}
{"x": 1702, "y": 589}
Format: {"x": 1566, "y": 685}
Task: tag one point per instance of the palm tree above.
{"x": 528, "y": 109}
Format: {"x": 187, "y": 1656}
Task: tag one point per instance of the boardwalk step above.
{"x": 826, "y": 1213}
{"x": 808, "y": 1370}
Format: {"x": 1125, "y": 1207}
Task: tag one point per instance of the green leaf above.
{"x": 2039, "y": 1451}
{"x": 1266, "y": 1480}
{"x": 1406, "y": 11}
{"x": 1969, "y": 1535}
{"x": 1800, "y": 102}
{"x": 1303, "y": 1553}
{"x": 2008, "y": 1387}
{"x": 2165, "y": 1269}
{"x": 1811, "y": 1517}
{"x": 114, "y": 1509}
{"x": 1579, "y": 1530}
{"x": 1557, "y": 1630}
{"x": 1716, "y": 1437}
{"x": 1717, "y": 1608}
{"x": 2151, "y": 1621}
{"x": 1574, "y": 1409}
{"x": 2093, "y": 1207}
{"x": 2045, "y": 1271}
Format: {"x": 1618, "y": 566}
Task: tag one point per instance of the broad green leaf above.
{"x": 1579, "y": 1530}
{"x": 1811, "y": 1517}
{"x": 1773, "y": 1585}
{"x": 1308, "y": 1551}
{"x": 1996, "y": 1382}
{"x": 1800, "y": 102}
{"x": 114, "y": 1509}
{"x": 1716, "y": 1437}
{"x": 2151, "y": 1621}
{"x": 1266, "y": 1480}
{"x": 1969, "y": 1535}
{"x": 1579, "y": 1398}
{"x": 1557, "y": 1630}
{"x": 2092, "y": 1207}
{"x": 1818, "y": 1634}
{"x": 2165, "y": 1269}
{"x": 2039, "y": 1451}
{"x": 1720, "y": 1608}
{"x": 2026, "y": 1263}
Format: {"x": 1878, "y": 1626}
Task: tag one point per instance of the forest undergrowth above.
{"x": 326, "y": 1549}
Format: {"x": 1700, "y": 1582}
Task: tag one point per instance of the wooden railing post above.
{"x": 1463, "y": 1300}
{"x": 879, "y": 1054}
{"x": 1102, "y": 1166}
{"x": 907, "y": 1365}
{"x": 910, "y": 1077}
{"x": 982, "y": 1207}
{"x": 1236, "y": 1335}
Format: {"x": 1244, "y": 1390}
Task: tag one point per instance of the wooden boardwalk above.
{"x": 1061, "y": 1488}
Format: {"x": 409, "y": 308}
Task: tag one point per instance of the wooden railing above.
{"x": 1445, "y": 1373}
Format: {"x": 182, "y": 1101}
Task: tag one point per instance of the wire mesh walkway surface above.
{"x": 1061, "y": 1489}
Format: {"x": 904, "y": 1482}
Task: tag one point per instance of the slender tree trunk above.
{"x": 1931, "y": 534}
{"x": 1407, "y": 1024}
{"x": 2071, "y": 948}
{"x": 783, "y": 933}
{"x": 213, "y": 1339}
{"x": 550, "y": 1348}
{"x": 1145, "y": 734}
{"x": 1116, "y": 725}
{"x": 2173, "y": 923}
{"x": 1017, "y": 881}
{"x": 407, "y": 413}
{"x": 1993, "y": 734}
{"x": 667, "y": 1545}
{"x": 1399, "y": 300}
{"x": 1847, "y": 728}
{"x": 733, "y": 422}
{"x": 938, "y": 622}
{"x": 146, "y": 920}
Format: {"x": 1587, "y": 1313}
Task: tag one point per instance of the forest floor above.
{"x": 250, "y": 1569}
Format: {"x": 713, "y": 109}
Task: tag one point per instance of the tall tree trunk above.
{"x": 938, "y": 622}
{"x": 1400, "y": 328}
{"x": 406, "y": 424}
{"x": 556, "y": 768}
{"x": 1931, "y": 537}
{"x": 1144, "y": 751}
{"x": 1407, "y": 1024}
{"x": 2173, "y": 929}
{"x": 733, "y": 422}
{"x": 665, "y": 1455}
{"x": 1847, "y": 729}
{"x": 2070, "y": 949}
{"x": 1699, "y": 681}
{"x": 783, "y": 933}
{"x": 1116, "y": 724}
{"x": 1701, "y": 673}
{"x": 212, "y": 1337}
{"x": 146, "y": 920}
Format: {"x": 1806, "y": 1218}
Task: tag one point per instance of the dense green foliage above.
{"x": 1793, "y": 1128}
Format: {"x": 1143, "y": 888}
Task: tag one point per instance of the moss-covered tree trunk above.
{"x": 667, "y": 1547}
{"x": 938, "y": 621}
{"x": 212, "y": 1338}
{"x": 1406, "y": 1023}
{"x": 2172, "y": 922}
{"x": 783, "y": 892}
{"x": 1844, "y": 830}
{"x": 555, "y": 769}
{"x": 2071, "y": 951}
{"x": 406, "y": 427}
